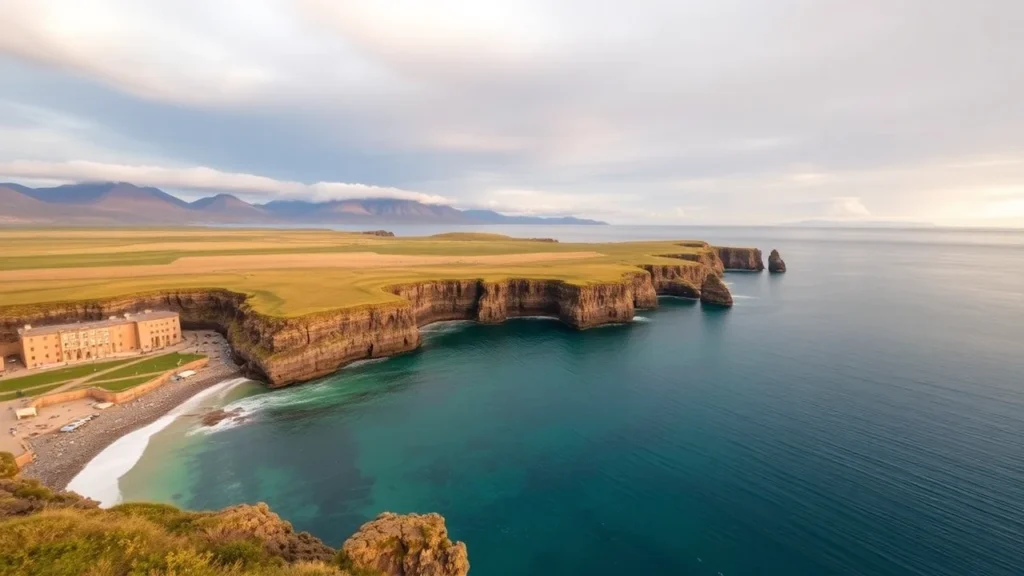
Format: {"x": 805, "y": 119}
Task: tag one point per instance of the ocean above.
{"x": 862, "y": 414}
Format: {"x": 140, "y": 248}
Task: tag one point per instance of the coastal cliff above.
{"x": 285, "y": 351}
{"x": 740, "y": 258}
{"x": 48, "y": 532}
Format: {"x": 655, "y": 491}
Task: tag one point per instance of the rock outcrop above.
{"x": 715, "y": 292}
{"x": 284, "y": 351}
{"x": 393, "y": 545}
{"x": 49, "y": 532}
{"x": 382, "y": 233}
{"x": 776, "y": 265}
{"x": 740, "y": 258}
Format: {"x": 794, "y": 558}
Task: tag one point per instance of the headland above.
{"x": 297, "y": 305}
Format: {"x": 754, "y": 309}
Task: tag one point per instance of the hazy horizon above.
{"x": 690, "y": 113}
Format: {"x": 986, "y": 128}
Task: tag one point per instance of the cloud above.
{"x": 204, "y": 179}
{"x": 739, "y": 111}
{"x": 847, "y": 208}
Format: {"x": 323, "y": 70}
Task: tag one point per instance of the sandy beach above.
{"x": 61, "y": 456}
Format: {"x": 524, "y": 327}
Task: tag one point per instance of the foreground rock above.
{"x": 394, "y": 545}
{"x": 776, "y": 265}
{"x": 715, "y": 292}
{"x": 47, "y": 532}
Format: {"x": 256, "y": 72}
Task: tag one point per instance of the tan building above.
{"x": 68, "y": 343}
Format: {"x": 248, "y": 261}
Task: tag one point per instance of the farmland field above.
{"x": 275, "y": 267}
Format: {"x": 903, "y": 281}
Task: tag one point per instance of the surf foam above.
{"x": 99, "y": 479}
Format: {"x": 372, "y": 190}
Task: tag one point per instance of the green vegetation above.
{"x": 42, "y": 532}
{"x": 58, "y": 376}
{"x": 123, "y": 384}
{"x": 150, "y": 366}
{"x": 37, "y": 391}
{"x": 275, "y": 267}
{"x": 8, "y": 465}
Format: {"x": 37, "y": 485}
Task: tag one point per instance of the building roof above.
{"x": 76, "y": 326}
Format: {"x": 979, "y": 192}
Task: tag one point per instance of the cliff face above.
{"x": 715, "y": 292}
{"x": 285, "y": 351}
{"x": 740, "y": 258}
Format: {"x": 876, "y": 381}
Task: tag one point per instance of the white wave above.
{"x": 99, "y": 479}
{"x": 742, "y": 297}
{"x": 367, "y": 362}
{"x": 244, "y": 410}
{"x": 533, "y": 318}
{"x": 444, "y": 327}
{"x": 641, "y": 319}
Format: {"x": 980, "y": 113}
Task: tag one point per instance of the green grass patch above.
{"x": 59, "y": 375}
{"x": 31, "y": 392}
{"x": 149, "y": 366}
{"x": 285, "y": 292}
{"x": 119, "y": 385}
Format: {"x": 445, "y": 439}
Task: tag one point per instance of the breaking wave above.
{"x": 99, "y": 479}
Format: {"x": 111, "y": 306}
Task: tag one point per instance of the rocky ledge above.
{"x": 394, "y": 545}
{"x": 51, "y": 532}
{"x": 776, "y": 265}
{"x": 284, "y": 351}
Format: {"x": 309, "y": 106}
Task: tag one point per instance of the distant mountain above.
{"x": 861, "y": 224}
{"x": 99, "y": 203}
{"x": 491, "y": 217}
{"x": 230, "y": 208}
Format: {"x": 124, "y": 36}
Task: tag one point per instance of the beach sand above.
{"x": 61, "y": 456}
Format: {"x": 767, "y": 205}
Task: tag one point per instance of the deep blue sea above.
{"x": 861, "y": 415}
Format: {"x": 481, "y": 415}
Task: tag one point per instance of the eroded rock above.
{"x": 741, "y": 258}
{"x": 407, "y": 545}
{"x": 715, "y": 292}
{"x": 776, "y": 265}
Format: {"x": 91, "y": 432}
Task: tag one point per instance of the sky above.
{"x": 631, "y": 111}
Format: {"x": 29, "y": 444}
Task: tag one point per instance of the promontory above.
{"x": 299, "y": 304}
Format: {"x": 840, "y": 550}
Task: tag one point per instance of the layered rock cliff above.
{"x": 285, "y": 351}
{"x": 740, "y": 258}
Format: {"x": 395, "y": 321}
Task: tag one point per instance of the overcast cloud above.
{"x": 632, "y": 111}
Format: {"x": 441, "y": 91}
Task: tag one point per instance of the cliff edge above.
{"x": 287, "y": 350}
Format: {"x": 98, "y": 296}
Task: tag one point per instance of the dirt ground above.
{"x": 213, "y": 264}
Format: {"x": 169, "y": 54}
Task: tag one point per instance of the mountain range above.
{"x": 106, "y": 203}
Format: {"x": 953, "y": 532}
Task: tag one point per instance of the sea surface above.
{"x": 861, "y": 415}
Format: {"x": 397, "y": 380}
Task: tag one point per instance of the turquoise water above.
{"x": 863, "y": 414}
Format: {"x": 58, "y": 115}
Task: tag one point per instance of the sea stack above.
{"x": 776, "y": 265}
{"x": 715, "y": 292}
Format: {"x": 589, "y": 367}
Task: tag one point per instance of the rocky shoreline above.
{"x": 60, "y": 457}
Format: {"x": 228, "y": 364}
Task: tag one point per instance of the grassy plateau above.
{"x": 292, "y": 272}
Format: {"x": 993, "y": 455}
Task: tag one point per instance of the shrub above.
{"x": 240, "y": 553}
{"x": 8, "y": 465}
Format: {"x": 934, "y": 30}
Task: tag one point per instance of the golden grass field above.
{"x": 290, "y": 272}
